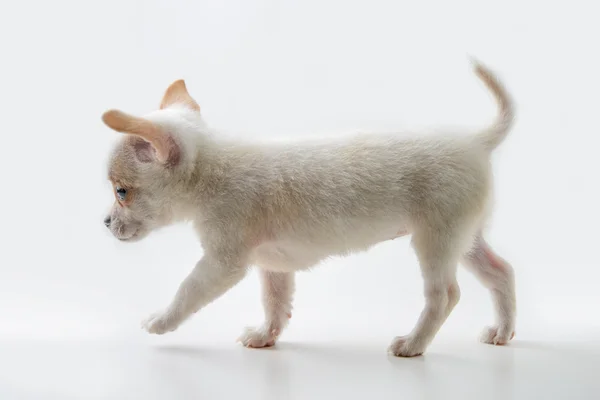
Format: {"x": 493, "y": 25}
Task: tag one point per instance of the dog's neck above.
{"x": 196, "y": 180}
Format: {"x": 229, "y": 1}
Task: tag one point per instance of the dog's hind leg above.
{"x": 498, "y": 276}
{"x": 438, "y": 258}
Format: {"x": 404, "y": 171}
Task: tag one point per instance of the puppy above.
{"x": 285, "y": 207}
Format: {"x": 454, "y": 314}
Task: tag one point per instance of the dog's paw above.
{"x": 497, "y": 335}
{"x": 406, "y": 346}
{"x": 160, "y": 322}
{"x": 259, "y": 337}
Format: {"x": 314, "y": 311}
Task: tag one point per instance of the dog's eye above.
{"x": 121, "y": 193}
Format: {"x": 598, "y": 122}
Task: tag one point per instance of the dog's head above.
{"x": 148, "y": 163}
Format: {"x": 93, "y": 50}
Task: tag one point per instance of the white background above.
{"x": 293, "y": 68}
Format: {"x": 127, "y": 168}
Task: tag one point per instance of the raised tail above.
{"x": 491, "y": 137}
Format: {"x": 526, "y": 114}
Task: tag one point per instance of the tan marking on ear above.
{"x": 125, "y": 123}
{"x": 177, "y": 94}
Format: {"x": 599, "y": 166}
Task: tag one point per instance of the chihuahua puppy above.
{"x": 285, "y": 207}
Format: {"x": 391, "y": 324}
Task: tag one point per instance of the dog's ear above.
{"x": 177, "y": 94}
{"x": 163, "y": 144}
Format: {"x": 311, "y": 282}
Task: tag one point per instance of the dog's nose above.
{"x": 107, "y": 221}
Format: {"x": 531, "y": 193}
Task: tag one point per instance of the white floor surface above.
{"x": 458, "y": 369}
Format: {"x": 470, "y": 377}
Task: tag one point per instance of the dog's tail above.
{"x": 491, "y": 137}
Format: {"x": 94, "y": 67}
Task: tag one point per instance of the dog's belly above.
{"x": 291, "y": 255}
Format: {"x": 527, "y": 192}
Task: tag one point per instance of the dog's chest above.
{"x": 283, "y": 257}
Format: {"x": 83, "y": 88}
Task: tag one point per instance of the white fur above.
{"x": 285, "y": 207}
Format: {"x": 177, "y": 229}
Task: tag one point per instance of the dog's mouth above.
{"x": 134, "y": 237}
{"x": 127, "y": 239}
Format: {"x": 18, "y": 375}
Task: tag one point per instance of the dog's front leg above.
{"x": 277, "y": 293}
{"x": 211, "y": 277}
